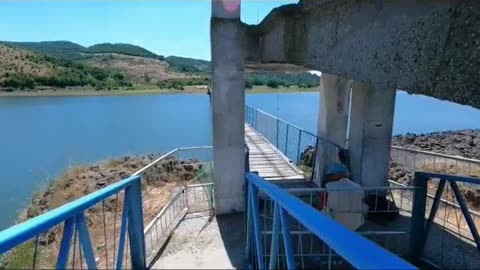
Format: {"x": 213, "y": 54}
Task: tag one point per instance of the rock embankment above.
{"x": 82, "y": 180}
{"x": 465, "y": 143}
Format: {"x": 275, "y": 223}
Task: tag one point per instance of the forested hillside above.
{"x": 59, "y": 64}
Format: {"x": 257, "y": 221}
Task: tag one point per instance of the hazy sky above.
{"x": 164, "y": 27}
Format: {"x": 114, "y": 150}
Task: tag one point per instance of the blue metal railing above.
{"x": 72, "y": 215}
{"x": 356, "y": 250}
{"x": 421, "y": 227}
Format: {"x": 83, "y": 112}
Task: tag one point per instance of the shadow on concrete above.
{"x": 231, "y": 227}
{"x": 202, "y": 242}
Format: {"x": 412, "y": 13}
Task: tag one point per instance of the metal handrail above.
{"x": 476, "y": 161}
{"x": 142, "y": 170}
{"x": 420, "y": 229}
{"x": 72, "y": 214}
{"x": 344, "y": 242}
{"x": 294, "y": 126}
{"x": 24, "y": 231}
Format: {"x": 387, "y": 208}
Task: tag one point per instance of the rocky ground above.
{"x": 465, "y": 143}
{"x": 82, "y": 180}
{"x": 462, "y": 143}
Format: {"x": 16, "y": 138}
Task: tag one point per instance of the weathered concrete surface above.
{"x": 332, "y": 117}
{"x": 334, "y": 104}
{"x": 429, "y": 47}
{"x": 370, "y": 133}
{"x": 200, "y": 244}
{"x": 228, "y": 102}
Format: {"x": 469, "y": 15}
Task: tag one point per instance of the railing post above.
{"x": 272, "y": 265}
{"x": 287, "y": 241}
{"x": 257, "y": 229}
{"x": 247, "y": 158}
{"x": 68, "y": 230}
{"x": 298, "y": 146}
{"x": 278, "y": 132}
{"x": 314, "y": 159}
{"x": 417, "y": 229}
{"x": 433, "y": 210}
{"x": 135, "y": 226}
{"x": 286, "y": 142}
{"x": 466, "y": 213}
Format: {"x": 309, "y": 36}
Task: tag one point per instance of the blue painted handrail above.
{"x": 355, "y": 249}
{"x": 73, "y": 214}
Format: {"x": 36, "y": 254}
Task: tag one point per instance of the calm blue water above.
{"x": 41, "y": 136}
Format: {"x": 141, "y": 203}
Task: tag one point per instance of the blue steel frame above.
{"x": 358, "y": 251}
{"x": 419, "y": 227}
{"x": 72, "y": 215}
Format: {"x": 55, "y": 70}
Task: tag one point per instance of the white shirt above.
{"x": 345, "y": 203}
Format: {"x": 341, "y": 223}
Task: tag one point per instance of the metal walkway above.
{"x": 267, "y": 160}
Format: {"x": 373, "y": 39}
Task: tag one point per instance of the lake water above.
{"x": 42, "y": 136}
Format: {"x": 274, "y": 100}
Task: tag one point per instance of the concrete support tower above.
{"x": 228, "y": 101}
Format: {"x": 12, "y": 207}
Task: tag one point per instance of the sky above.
{"x": 178, "y": 28}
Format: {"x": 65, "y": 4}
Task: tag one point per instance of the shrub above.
{"x": 272, "y": 84}
{"x": 248, "y": 84}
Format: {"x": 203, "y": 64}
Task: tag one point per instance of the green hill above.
{"x": 59, "y": 49}
{"x": 66, "y": 63}
{"x": 23, "y": 69}
{"x": 123, "y": 48}
{"x": 188, "y": 65}
{"x": 72, "y": 51}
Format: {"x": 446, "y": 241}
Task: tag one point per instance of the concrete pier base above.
{"x": 370, "y": 133}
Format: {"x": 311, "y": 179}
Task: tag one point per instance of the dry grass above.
{"x": 135, "y": 67}
{"x": 14, "y": 60}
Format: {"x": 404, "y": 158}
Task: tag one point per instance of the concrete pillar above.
{"x": 332, "y": 118}
{"x": 334, "y": 105}
{"x": 370, "y": 133}
{"x": 228, "y": 101}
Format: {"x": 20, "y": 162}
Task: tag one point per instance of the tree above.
{"x": 272, "y": 84}
{"x": 248, "y": 84}
{"x": 257, "y": 81}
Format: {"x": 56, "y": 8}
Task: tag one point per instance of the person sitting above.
{"x": 343, "y": 199}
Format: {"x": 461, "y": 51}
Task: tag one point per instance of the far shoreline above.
{"x": 188, "y": 90}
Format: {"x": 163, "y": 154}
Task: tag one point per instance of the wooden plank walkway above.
{"x": 267, "y": 160}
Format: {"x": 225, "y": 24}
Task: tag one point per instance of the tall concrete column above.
{"x": 370, "y": 133}
{"x": 332, "y": 117}
{"x": 228, "y": 101}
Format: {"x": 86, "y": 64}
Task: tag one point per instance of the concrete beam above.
{"x": 228, "y": 102}
{"x": 429, "y": 47}
{"x": 370, "y": 133}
